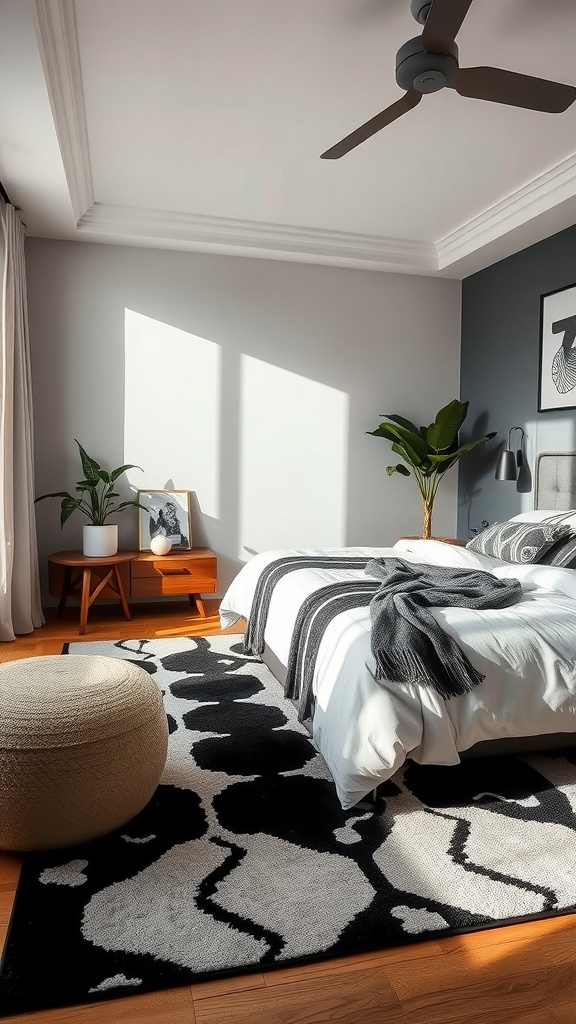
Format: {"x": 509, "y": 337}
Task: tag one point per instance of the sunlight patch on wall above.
{"x": 172, "y": 409}
{"x": 293, "y": 460}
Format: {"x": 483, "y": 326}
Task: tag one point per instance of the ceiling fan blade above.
{"x": 443, "y": 24}
{"x": 402, "y": 106}
{"x": 501, "y": 86}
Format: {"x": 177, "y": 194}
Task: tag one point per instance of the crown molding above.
{"x": 263, "y": 240}
{"x": 55, "y": 24}
{"x": 539, "y": 196}
{"x": 58, "y": 43}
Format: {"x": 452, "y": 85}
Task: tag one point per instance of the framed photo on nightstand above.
{"x": 167, "y": 514}
{"x": 557, "y": 383}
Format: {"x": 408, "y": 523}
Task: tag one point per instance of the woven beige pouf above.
{"x": 83, "y": 743}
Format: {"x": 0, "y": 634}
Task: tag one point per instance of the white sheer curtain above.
{"x": 20, "y": 607}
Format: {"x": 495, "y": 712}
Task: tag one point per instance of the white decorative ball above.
{"x": 160, "y": 545}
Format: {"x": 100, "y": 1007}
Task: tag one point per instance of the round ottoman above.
{"x": 83, "y": 743}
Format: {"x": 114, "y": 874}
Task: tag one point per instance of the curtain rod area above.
{"x": 4, "y": 194}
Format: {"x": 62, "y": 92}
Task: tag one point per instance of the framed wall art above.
{"x": 168, "y": 514}
{"x": 557, "y": 377}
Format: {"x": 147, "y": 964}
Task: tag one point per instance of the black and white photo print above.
{"x": 167, "y": 514}
{"x": 557, "y": 386}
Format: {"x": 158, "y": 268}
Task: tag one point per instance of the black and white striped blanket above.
{"x": 407, "y": 642}
{"x": 271, "y": 575}
{"x": 316, "y": 612}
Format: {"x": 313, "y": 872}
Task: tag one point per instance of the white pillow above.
{"x": 542, "y": 515}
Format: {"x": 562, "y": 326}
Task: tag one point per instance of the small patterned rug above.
{"x": 245, "y": 860}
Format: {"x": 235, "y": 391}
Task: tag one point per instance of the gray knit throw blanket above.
{"x": 407, "y": 642}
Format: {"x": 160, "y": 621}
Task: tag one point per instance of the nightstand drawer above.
{"x": 176, "y": 565}
{"x": 156, "y": 586}
{"x": 193, "y": 572}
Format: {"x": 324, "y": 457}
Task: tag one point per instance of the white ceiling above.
{"x": 198, "y": 124}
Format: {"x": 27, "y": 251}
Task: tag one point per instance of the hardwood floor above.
{"x": 522, "y": 974}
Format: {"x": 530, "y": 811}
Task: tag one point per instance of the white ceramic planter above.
{"x": 99, "y": 541}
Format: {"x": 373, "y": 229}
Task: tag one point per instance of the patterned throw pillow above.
{"x": 562, "y": 554}
{"x": 518, "y": 542}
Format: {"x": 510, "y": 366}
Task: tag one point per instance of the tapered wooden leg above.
{"x": 85, "y": 600}
{"x": 197, "y": 602}
{"x": 121, "y": 593}
{"x": 64, "y": 592}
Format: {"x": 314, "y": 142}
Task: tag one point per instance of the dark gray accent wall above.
{"x": 499, "y": 374}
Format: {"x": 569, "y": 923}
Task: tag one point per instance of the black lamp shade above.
{"x": 506, "y": 468}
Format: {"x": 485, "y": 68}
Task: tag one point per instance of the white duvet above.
{"x": 365, "y": 729}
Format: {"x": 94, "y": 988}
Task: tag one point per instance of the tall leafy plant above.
{"x": 96, "y": 497}
{"x": 429, "y": 451}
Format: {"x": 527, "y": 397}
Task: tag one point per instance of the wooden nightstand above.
{"x": 181, "y": 572}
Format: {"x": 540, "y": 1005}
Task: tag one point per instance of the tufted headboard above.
{"x": 555, "y": 484}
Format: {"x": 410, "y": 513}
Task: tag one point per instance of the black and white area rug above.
{"x": 245, "y": 860}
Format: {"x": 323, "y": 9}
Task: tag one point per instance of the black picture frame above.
{"x": 557, "y": 362}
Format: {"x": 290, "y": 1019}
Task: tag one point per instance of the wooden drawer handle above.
{"x": 175, "y": 572}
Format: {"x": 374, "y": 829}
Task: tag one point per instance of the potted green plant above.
{"x": 95, "y": 500}
{"x": 428, "y": 451}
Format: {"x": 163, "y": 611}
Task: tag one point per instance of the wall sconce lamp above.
{"x": 510, "y": 463}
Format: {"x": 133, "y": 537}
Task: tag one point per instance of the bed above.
{"x": 366, "y": 727}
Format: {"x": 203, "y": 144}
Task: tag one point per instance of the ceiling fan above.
{"x": 430, "y": 62}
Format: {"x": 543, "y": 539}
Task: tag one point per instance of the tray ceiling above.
{"x": 195, "y": 125}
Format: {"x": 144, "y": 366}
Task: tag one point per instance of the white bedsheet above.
{"x": 365, "y": 729}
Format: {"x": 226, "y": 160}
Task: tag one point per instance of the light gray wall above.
{"x": 500, "y": 365}
{"x": 339, "y": 346}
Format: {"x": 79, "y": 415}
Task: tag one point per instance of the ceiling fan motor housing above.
{"x": 425, "y": 72}
{"x": 420, "y": 10}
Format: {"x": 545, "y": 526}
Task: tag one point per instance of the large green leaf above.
{"x": 122, "y": 469}
{"x": 416, "y": 447}
{"x": 453, "y": 457}
{"x": 422, "y": 465}
{"x": 410, "y": 438}
{"x": 90, "y": 467}
{"x": 126, "y": 504}
{"x": 442, "y": 433}
{"x": 129, "y": 504}
{"x": 54, "y": 494}
{"x": 409, "y": 456}
{"x": 401, "y": 421}
{"x": 67, "y": 508}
